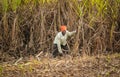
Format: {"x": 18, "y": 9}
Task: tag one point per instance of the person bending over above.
{"x": 60, "y": 41}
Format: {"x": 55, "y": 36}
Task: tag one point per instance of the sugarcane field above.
{"x": 59, "y": 38}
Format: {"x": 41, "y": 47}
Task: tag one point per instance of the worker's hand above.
{"x": 74, "y": 31}
{"x": 61, "y": 54}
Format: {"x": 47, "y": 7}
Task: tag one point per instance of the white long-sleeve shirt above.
{"x": 61, "y": 39}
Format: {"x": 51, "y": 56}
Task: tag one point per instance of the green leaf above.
{"x": 15, "y": 4}
{"x": 5, "y": 5}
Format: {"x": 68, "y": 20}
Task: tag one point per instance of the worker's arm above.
{"x": 59, "y": 45}
{"x": 71, "y": 33}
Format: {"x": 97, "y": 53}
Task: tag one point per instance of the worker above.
{"x": 60, "y": 41}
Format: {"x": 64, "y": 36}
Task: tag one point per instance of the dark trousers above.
{"x": 56, "y": 52}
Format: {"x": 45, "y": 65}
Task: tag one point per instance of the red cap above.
{"x": 63, "y": 27}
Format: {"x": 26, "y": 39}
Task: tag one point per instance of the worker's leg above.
{"x": 55, "y": 50}
{"x": 65, "y": 49}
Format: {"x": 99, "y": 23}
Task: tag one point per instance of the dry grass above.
{"x": 93, "y": 66}
{"x": 28, "y": 27}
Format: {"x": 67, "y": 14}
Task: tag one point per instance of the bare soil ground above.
{"x": 88, "y": 66}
